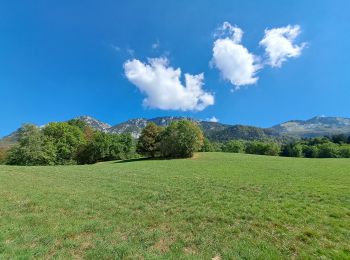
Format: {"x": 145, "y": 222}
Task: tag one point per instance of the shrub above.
{"x": 263, "y": 148}
{"x": 292, "y": 150}
{"x": 234, "y": 146}
{"x": 310, "y": 151}
{"x": 181, "y": 139}
{"x": 207, "y": 146}
{"x": 328, "y": 150}
{"x": 344, "y": 151}
{"x": 105, "y": 147}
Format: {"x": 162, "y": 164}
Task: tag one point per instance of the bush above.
{"x": 328, "y": 150}
{"x": 344, "y": 151}
{"x": 105, "y": 147}
{"x": 234, "y": 146}
{"x": 292, "y": 150}
{"x": 207, "y": 146}
{"x": 262, "y": 148}
{"x": 310, "y": 151}
{"x": 181, "y": 139}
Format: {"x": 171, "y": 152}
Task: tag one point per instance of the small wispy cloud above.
{"x": 130, "y": 52}
{"x": 156, "y": 45}
{"x": 115, "y": 47}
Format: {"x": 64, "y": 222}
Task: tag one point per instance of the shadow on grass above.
{"x": 145, "y": 159}
{"x": 133, "y": 160}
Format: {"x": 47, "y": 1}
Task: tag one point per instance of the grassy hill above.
{"x": 215, "y": 205}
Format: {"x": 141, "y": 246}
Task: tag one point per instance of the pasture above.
{"x": 215, "y": 205}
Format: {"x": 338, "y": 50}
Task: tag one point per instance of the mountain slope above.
{"x": 316, "y": 126}
{"x": 9, "y": 141}
{"x": 95, "y": 124}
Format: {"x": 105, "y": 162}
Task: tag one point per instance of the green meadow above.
{"x": 215, "y": 205}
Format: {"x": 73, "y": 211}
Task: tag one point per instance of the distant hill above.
{"x": 316, "y": 126}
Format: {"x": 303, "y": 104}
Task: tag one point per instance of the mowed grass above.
{"x": 228, "y": 206}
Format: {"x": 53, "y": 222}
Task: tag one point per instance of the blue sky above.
{"x": 62, "y": 59}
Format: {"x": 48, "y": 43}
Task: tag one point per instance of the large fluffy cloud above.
{"x": 279, "y": 44}
{"x": 163, "y": 88}
{"x": 234, "y": 61}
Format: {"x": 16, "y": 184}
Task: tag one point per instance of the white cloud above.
{"x": 279, "y": 44}
{"x": 212, "y": 119}
{"x": 163, "y": 88}
{"x": 234, "y": 61}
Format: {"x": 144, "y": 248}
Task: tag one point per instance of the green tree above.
{"x": 181, "y": 139}
{"x": 328, "y": 150}
{"x": 207, "y": 146}
{"x": 149, "y": 141}
{"x": 344, "y": 151}
{"x": 33, "y": 148}
{"x": 3, "y": 152}
{"x": 234, "y": 146}
{"x": 310, "y": 151}
{"x": 105, "y": 147}
{"x": 67, "y": 139}
{"x": 122, "y": 147}
{"x": 263, "y": 148}
{"x": 78, "y": 123}
{"x": 339, "y": 139}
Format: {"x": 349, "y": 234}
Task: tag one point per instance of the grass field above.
{"x": 228, "y": 206}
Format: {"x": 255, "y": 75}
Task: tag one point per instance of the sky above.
{"x": 237, "y": 62}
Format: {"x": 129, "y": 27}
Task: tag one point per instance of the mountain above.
{"x": 241, "y": 132}
{"x": 135, "y": 126}
{"x": 9, "y": 140}
{"x": 213, "y": 130}
{"x": 316, "y": 126}
{"x": 95, "y": 124}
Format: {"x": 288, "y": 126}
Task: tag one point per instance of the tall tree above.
{"x": 149, "y": 141}
{"x": 181, "y": 139}
{"x": 33, "y": 148}
{"x": 67, "y": 140}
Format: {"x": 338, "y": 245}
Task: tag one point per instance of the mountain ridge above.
{"x": 315, "y": 126}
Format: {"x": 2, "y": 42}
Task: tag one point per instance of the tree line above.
{"x": 337, "y": 146}
{"x": 71, "y": 142}
{"x": 74, "y": 142}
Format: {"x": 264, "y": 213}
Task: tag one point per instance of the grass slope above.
{"x": 215, "y": 205}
